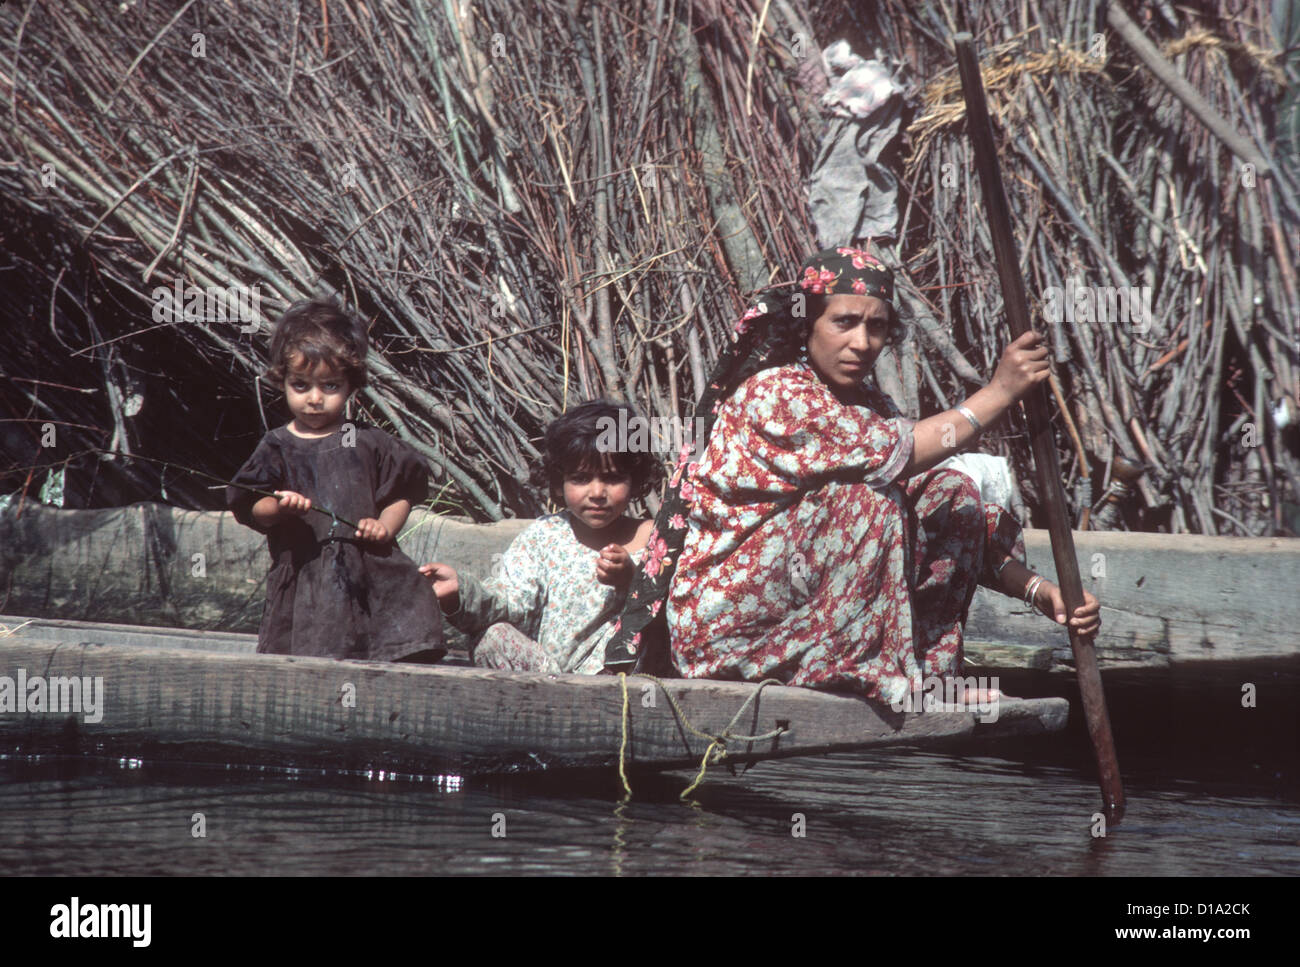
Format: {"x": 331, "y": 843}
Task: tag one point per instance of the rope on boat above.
{"x": 716, "y": 742}
{"x": 622, "y": 746}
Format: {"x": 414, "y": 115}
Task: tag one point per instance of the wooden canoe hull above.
{"x": 174, "y": 704}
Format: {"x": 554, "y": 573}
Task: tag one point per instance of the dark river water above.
{"x": 1213, "y": 791}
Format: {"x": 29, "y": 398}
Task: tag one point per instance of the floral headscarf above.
{"x": 847, "y": 271}
{"x": 769, "y": 334}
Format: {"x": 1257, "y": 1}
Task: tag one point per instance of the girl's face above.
{"x": 597, "y": 498}
{"x": 846, "y": 339}
{"x": 316, "y": 397}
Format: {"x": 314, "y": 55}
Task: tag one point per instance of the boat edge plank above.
{"x": 183, "y": 703}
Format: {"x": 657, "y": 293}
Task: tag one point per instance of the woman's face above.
{"x": 846, "y": 339}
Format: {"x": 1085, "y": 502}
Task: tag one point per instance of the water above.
{"x": 1212, "y": 791}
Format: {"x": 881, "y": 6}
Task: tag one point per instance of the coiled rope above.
{"x": 717, "y": 748}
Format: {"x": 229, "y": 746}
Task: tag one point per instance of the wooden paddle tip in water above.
{"x": 1093, "y": 697}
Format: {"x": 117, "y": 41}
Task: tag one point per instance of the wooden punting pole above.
{"x": 1045, "y": 463}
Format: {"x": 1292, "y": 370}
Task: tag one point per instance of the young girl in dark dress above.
{"x": 333, "y": 591}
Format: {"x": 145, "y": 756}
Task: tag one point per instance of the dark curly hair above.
{"x": 319, "y": 332}
{"x": 573, "y": 443}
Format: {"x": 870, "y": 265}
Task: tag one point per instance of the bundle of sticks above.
{"x": 535, "y": 204}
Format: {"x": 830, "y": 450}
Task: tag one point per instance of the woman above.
{"x": 826, "y": 540}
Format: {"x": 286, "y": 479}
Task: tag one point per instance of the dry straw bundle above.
{"x": 534, "y": 204}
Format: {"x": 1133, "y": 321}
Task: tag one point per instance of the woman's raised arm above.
{"x": 1023, "y": 365}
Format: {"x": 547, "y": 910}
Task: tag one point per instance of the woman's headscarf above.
{"x": 769, "y": 334}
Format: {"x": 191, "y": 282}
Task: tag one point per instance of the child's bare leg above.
{"x": 506, "y": 648}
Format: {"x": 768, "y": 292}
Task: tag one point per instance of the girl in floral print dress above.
{"x": 552, "y": 603}
{"x": 824, "y": 539}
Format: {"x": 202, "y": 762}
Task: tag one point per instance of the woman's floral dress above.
{"x": 806, "y": 560}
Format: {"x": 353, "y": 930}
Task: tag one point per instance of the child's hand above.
{"x": 445, "y": 583}
{"x": 614, "y": 566}
{"x": 369, "y": 529}
{"x": 1087, "y": 616}
{"x": 293, "y": 502}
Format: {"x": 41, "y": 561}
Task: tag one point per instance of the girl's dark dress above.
{"x": 328, "y": 593}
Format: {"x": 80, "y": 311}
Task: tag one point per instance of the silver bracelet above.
{"x": 965, "y": 411}
{"x": 1032, "y": 589}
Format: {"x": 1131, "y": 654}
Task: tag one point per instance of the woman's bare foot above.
{"x": 958, "y": 690}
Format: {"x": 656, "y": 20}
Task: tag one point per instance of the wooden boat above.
{"x": 173, "y": 694}
{"x": 179, "y": 692}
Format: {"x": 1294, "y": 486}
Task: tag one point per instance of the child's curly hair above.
{"x": 319, "y": 332}
{"x": 573, "y": 443}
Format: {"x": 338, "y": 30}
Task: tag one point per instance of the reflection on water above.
{"x": 1212, "y": 791}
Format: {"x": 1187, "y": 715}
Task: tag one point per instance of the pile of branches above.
{"x": 536, "y": 204}
{"x": 1115, "y": 183}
